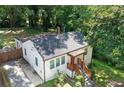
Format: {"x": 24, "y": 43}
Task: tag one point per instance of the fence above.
{"x": 12, "y": 55}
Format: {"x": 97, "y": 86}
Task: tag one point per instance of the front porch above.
{"x": 77, "y": 58}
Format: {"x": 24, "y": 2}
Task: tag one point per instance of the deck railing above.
{"x": 75, "y": 68}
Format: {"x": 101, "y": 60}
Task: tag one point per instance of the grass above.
{"x": 105, "y": 73}
{"x": 50, "y": 83}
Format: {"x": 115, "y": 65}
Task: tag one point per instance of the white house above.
{"x": 49, "y": 53}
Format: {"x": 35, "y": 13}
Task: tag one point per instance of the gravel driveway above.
{"x": 16, "y": 75}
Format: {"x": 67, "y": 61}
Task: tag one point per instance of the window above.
{"x": 25, "y": 52}
{"x": 51, "y": 64}
{"x": 57, "y": 62}
{"x": 36, "y": 61}
{"x": 63, "y": 60}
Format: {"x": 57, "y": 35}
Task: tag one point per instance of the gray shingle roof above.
{"x": 53, "y": 45}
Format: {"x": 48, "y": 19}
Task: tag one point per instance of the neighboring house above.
{"x": 49, "y": 53}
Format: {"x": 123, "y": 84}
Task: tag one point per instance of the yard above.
{"x": 106, "y": 75}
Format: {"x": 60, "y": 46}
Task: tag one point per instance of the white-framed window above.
{"x": 51, "y": 64}
{"x": 57, "y": 61}
{"x": 63, "y": 60}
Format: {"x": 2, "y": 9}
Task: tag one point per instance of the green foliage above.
{"x": 79, "y": 81}
{"x": 50, "y": 83}
{"x": 105, "y": 73}
{"x": 1, "y": 43}
{"x": 60, "y": 78}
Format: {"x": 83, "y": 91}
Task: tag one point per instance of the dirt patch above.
{"x": 115, "y": 84}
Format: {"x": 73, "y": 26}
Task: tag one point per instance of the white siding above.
{"x": 50, "y": 73}
{"x": 18, "y": 43}
{"x": 88, "y": 57}
{"x": 31, "y": 53}
{"x": 69, "y": 72}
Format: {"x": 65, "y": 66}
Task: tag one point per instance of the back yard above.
{"x": 105, "y": 75}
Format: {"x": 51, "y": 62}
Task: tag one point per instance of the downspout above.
{"x": 44, "y": 68}
{"x": 44, "y": 71}
{"x": 72, "y": 62}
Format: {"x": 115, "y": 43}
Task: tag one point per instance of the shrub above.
{"x": 60, "y": 78}
{"x": 78, "y": 84}
{"x": 79, "y": 80}
{"x": 120, "y": 65}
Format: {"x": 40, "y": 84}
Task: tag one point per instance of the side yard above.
{"x": 105, "y": 75}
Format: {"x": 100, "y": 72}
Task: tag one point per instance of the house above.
{"x": 48, "y": 54}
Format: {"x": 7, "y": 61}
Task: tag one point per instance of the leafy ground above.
{"x": 7, "y": 36}
{"x": 104, "y": 74}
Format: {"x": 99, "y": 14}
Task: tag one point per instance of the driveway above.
{"x": 30, "y": 73}
{"x": 21, "y": 74}
{"x": 16, "y": 75}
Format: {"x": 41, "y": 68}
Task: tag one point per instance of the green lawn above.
{"x": 105, "y": 73}
{"x": 50, "y": 83}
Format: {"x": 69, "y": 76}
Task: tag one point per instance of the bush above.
{"x": 60, "y": 78}
{"x": 79, "y": 80}
{"x": 120, "y": 65}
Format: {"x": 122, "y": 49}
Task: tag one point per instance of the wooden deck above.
{"x": 75, "y": 68}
